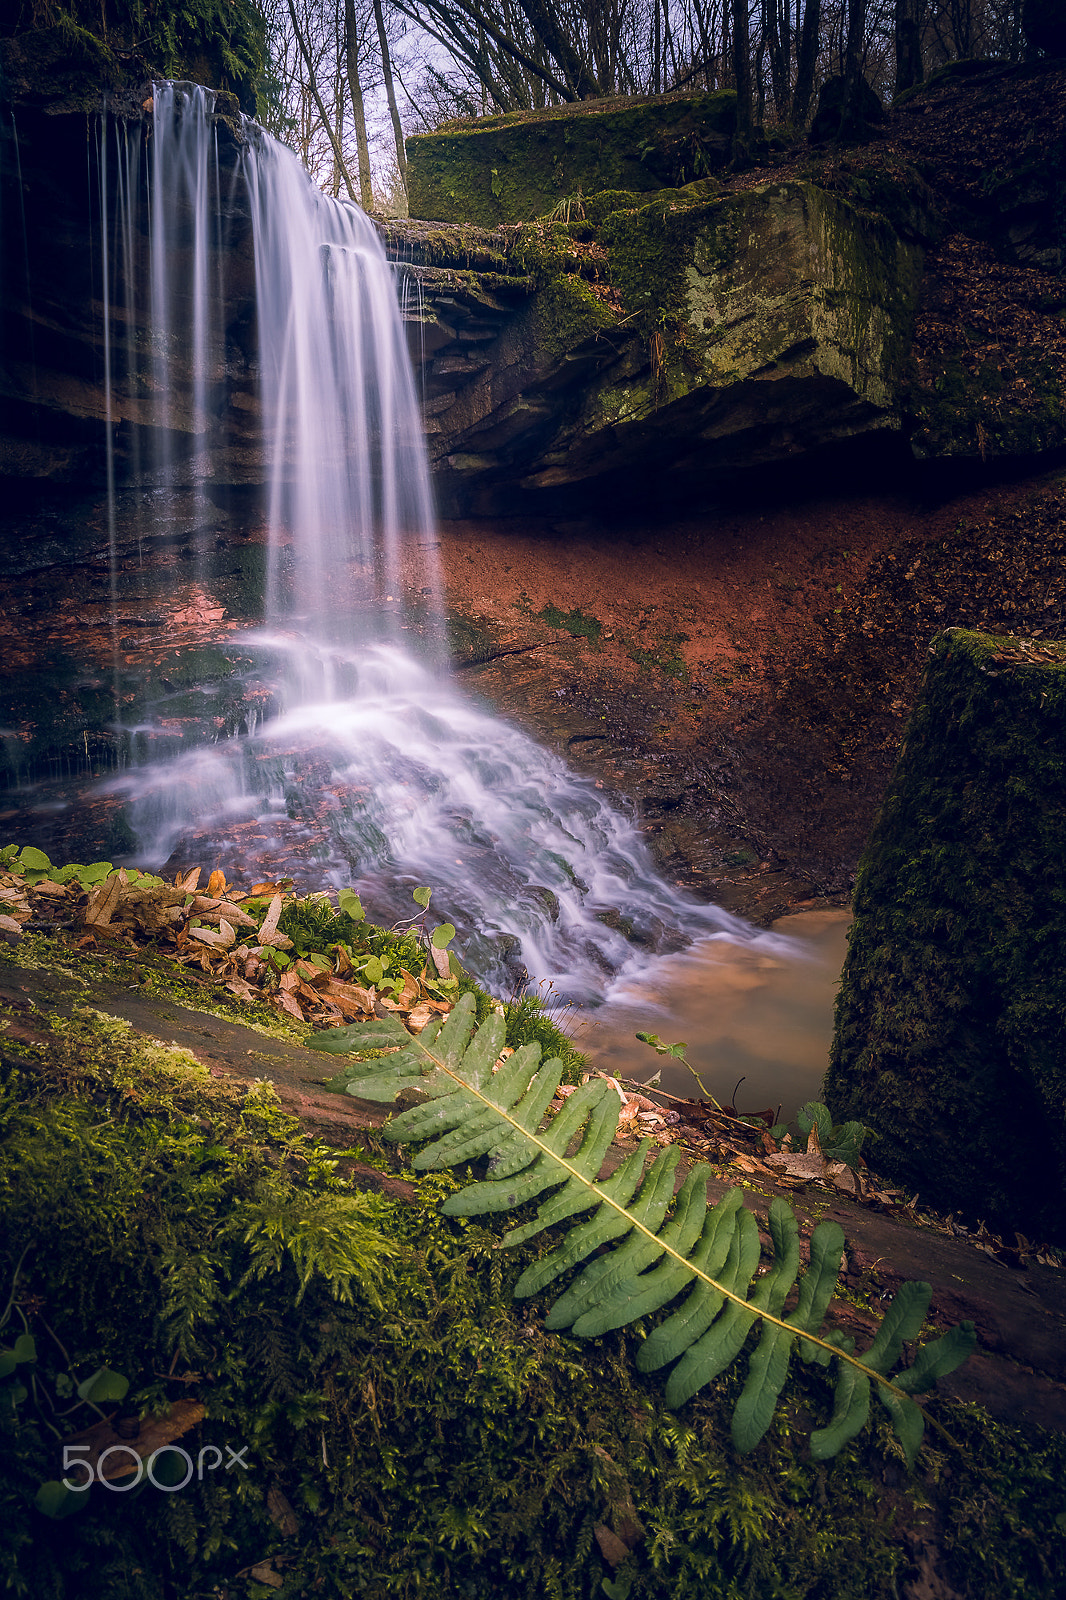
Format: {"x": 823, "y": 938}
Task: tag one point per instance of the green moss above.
{"x": 950, "y": 1031}
{"x": 574, "y": 622}
{"x": 407, "y": 1428}
{"x": 740, "y": 285}
{"x": 568, "y": 312}
{"x": 90, "y": 45}
{"x": 514, "y": 168}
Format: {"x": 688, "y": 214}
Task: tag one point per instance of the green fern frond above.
{"x": 660, "y": 1248}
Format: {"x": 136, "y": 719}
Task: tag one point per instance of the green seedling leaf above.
{"x": 25, "y": 1349}
{"x": 350, "y": 903}
{"x": 421, "y": 897}
{"x": 8, "y": 1363}
{"x": 845, "y": 1143}
{"x": 96, "y": 873}
{"x": 443, "y": 936}
{"x": 373, "y": 970}
{"x": 55, "y": 1500}
{"x": 814, "y": 1112}
{"x": 676, "y": 1050}
{"x": 104, "y": 1385}
{"x": 34, "y": 860}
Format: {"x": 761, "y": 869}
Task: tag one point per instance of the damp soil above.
{"x": 742, "y": 675}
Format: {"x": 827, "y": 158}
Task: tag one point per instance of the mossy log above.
{"x": 951, "y": 1022}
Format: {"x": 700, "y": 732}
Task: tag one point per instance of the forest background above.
{"x": 344, "y": 81}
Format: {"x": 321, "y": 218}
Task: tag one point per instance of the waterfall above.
{"x": 371, "y": 769}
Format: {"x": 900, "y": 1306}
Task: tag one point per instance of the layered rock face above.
{"x": 695, "y": 335}
{"x": 63, "y": 203}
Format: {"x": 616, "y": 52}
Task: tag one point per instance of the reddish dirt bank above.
{"x": 744, "y": 675}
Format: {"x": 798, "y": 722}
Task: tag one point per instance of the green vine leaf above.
{"x": 648, "y": 1248}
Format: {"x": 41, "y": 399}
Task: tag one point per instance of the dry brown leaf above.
{"x": 9, "y": 925}
{"x": 350, "y": 999}
{"x": 216, "y": 883}
{"x": 264, "y": 1573}
{"x": 841, "y": 1176}
{"x": 798, "y": 1164}
{"x": 419, "y": 1017}
{"x": 242, "y": 990}
{"x": 103, "y": 901}
{"x": 282, "y": 1515}
{"x": 286, "y": 1003}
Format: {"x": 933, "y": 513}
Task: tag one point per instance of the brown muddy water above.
{"x": 762, "y": 1012}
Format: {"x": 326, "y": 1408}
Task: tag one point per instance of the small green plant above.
{"x": 677, "y": 1051}
{"x": 574, "y": 622}
{"x": 467, "y": 1109}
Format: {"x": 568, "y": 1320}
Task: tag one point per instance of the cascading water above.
{"x": 371, "y": 770}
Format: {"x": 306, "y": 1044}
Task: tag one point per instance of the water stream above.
{"x": 364, "y": 762}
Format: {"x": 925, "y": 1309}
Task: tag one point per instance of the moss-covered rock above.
{"x": 515, "y": 167}
{"x": 951, "y": 1023}
{"x": 782, "y": 280}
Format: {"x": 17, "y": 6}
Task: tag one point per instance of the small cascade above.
{"x": 360, "y": 762}
{"x": 348, "y": 482}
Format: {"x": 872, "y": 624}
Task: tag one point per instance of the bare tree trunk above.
{"x": 355, "y": 89}
{"x": 313, "y": 87}
{"x": 742, "y": 78}
{"x": 908, "y": 46}
{"x": 807, "y": 62}
{"x": 851, "y": 116}
{"x": 386, "y": 67}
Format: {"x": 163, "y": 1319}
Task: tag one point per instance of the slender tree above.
{"x": 312, "y": 83}
{"x": 742, "y": 77}
{"x": 806, "y": 62}
{"x": 355, "y": 89}
{"x": 390, "y": 92}
{"x": 908, "y": 46}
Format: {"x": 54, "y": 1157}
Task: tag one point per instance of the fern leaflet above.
{"x": 662, "y": 1248}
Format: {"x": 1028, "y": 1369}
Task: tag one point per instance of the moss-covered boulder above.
{"x": 518, "y": 166}
{"x": 783, "y": 281}
{"x": 696, "y": 334}
{"x": 951, "y": 1022}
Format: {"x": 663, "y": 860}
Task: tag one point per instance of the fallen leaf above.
{"x": 103, "y": 900}
{"x": 798, "y": 1164}
{"x": 286, "y": 1003}
{"x": 264, "y": 1573}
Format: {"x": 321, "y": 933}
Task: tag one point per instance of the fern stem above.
{"x": 666, "y": 1249}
